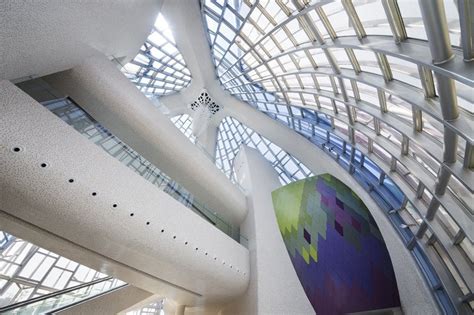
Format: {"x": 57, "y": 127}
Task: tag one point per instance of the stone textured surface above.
{"x": 274, "y": 287}
{"x": 42, "y": 37}
{"x": 43, "y": 196}
{"x": 108, "y": 96}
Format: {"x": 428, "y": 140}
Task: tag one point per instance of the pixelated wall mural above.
{"x": 335, "y": 246}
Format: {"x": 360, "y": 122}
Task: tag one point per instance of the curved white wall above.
{"x": 42, "y": 37}
{"x": 201, "y": 259}
{"x": 274, "y": 286}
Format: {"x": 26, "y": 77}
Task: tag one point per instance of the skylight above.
{"x": 159, "y": 68}
{"x": 232, "y": 134}
{"x": 372, "y": 100}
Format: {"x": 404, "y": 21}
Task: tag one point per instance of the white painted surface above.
{"x": 208, "y": 140}
{"x": 46, "y": 36}
{"x": 274, "y": 286}
{"x": 87, "y": 257}
{"x": 110, "y": 303}
{"x": 108, "y": 96}
{"x": 45, "y": 198}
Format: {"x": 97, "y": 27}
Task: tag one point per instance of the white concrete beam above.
{"x": 108, "y": 96}
{"x": 55, "y": 179}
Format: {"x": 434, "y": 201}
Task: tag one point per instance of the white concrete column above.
{"x": 208, "y": 140}
{"x": 274, "y": 285}
{"x": 108, "y": 96}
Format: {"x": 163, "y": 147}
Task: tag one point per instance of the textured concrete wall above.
{"x": 146, "y": 229}
{"x": 274, "y": 287}
{"x": 108, "y": 96}
{"x": 43, "y": 37}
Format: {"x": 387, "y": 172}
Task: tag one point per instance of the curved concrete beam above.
{"x": 87, "y": 197}
{"x": 43, "y": 37}
{"x": 108, "y": 96}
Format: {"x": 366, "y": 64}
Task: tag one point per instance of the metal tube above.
{"x": 442, "y": 181}
{"x": 466, "y": 20}
{"x": 405, "y": 145}
{"x": 436, "y": 27}
{"x": 384, "y": 66}
{"x": 469, "y": 156}
{"x": 450, "y": 146}
{"x": 427, "y": 81}
{"x": 354, "y": 18}
{"x": 447, "y": 97}
{"x": 422, "y": 230}
{"x": 395, "y": 20}
{"x": 382, "y": 100}
{"x": 417, "y": 119}
{"x": 420, "y": 189}
{"x": 432, "y": 208}
{"x": 353, "y": 59}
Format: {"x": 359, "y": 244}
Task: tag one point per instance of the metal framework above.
{"x": 184, "y": 123}
{"x": 232, "y": 134}
{"x": 159, "y": 69}
{"x": 390, "y": 83}
{"x": 28, "y": 271}
{"x": 155, "y": 308}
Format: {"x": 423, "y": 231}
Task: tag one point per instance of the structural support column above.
{"x": 274, "y": 286}
{"x": 108, "y": 96}
{"x": 436, "y": 26}
{"x": 208, "y": 140}
{"x": 466, "y": 19}
{"x": 56, "y": 180}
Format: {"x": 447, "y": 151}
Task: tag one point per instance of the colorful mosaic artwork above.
{"x": 335, "y": 246}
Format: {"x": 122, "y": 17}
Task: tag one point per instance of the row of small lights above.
{"x": 71, "y": 180}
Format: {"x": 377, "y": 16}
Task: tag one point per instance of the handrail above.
{"x": 52, "y": 294}
{"x": 168, "y": 185}
{"x": 65, "y": 307}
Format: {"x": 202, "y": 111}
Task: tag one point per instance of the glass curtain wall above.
{"x": 354, "y": 78}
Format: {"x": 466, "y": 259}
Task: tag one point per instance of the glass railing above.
{"x": 53, "y": 302}
{"x": 232, "y": 176}
{"x": 74, "y": 115}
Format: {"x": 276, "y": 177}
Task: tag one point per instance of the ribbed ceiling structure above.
{"x": 385, "y": 88}
{"x": 159, "y": 69}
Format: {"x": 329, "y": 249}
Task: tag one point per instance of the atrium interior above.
{"x": 235, "y": 157}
